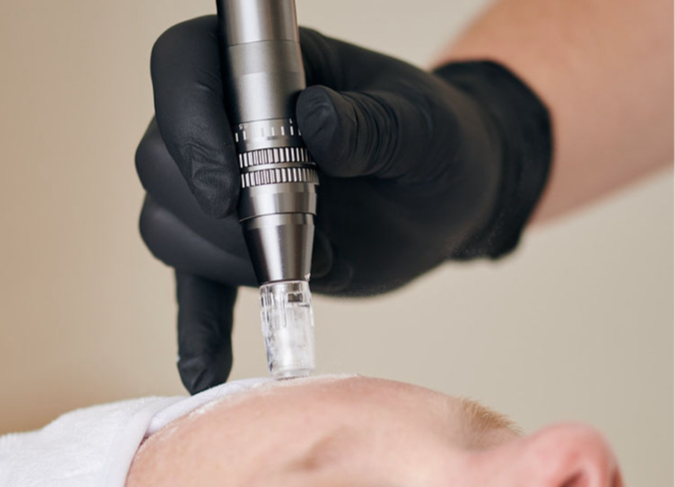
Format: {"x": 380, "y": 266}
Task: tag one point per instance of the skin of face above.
{"x": 363, "y": 432}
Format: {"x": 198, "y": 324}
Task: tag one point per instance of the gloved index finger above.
{"x": 191, "y": 115}
{"x": 204, "y": 331}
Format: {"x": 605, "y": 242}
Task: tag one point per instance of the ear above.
{"x": 565, "y": 455}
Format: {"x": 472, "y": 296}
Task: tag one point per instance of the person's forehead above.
{"x": 360, "y": 391}
{"x": 332, "y": 422}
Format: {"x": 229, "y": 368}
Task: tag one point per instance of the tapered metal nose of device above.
{"x": 282, "y": 244}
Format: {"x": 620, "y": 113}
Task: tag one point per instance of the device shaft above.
{"x": 264, "y": 75}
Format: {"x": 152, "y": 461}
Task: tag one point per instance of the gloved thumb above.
{"x": 205, "y": 311}
{"x": 370, "y": 133}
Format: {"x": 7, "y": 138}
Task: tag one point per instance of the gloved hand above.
{"x": 415, "y": 168}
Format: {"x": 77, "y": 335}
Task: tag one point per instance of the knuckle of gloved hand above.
{"x": 164, "y": 49}
{"x": 169, "y": 43}
{"x": 151, "y": 157}
{"x": 213, "y": 181}
{"x": 153, "y": 223}
{"x": 179, "y": 39}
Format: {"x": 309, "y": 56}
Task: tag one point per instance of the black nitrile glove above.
{"x": 415, "y": 168}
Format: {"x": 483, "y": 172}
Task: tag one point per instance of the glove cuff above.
{"x": 524, "y": 126}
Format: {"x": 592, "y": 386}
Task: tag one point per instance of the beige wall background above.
{"x": 578, "y": 325}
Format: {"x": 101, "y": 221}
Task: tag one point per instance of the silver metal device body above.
{"x": 264, "y": 74}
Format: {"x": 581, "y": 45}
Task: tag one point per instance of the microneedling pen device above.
{"x": 264, "y": 74}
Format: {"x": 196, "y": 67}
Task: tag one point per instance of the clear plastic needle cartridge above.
{"x": 288, "y": 328}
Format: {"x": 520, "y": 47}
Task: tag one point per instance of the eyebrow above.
{"x": 485, "y": 419}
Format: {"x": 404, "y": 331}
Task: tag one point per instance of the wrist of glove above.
{"x": 523, "y": 126}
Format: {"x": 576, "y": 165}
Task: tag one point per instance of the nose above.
{"x": 568, "y": 455}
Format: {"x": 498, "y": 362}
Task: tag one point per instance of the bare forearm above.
{"x": 605, "y": 70}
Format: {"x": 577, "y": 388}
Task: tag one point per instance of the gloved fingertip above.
{"x": 321, "y": 113}
{"x": 199, "y": 373}
{"x": 204, "y": 331}
{"x": 329, "y": 122}
{"x": 316, "y": 110}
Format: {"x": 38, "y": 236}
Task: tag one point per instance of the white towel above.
{"x": 94, "y": 447}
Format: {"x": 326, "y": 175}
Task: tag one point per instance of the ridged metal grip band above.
{"x": 277, "y": 165}
{"x": 276, "y": 155}
{"x": 277, "y": 176}
{"x": 289, "y": 162}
